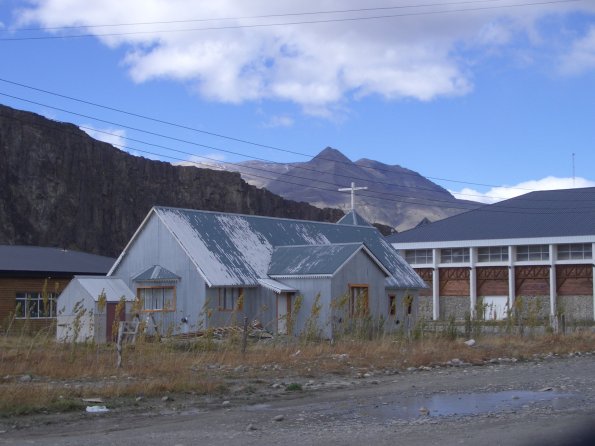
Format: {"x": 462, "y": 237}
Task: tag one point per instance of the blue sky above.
{"x": 499, "y": 96}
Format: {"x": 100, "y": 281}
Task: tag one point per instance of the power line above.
{"x": 203, "y": 145}
{"x": 305, "y": 22}
{"x": 225, "y": 151}
{"x": 265, "y": 16}
{"x": 507, "y": 209}
{"x": 231, "y": 138}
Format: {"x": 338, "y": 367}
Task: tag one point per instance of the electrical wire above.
{"x": 499, "y": 208}
{"x": 243, "y": 141}
{"x": 305, "y": 22}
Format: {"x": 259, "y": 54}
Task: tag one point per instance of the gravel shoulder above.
{"x": 547, "y": 401}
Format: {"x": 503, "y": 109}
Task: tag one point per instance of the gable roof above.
{"x": 353, "y": 218}
{"x": 156, "y": 273}
{"x": 38, "y": 259}
{"x": 113, "y": 288}
{"x": 235, "y": 250}
{"x": 312, "y": 260}
{"x": 553, "y": 213}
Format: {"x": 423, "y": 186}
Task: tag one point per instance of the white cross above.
{"x": 352, "y": 189}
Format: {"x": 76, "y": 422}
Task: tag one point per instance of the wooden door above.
{"x": 283, "y": 312}
{"x": 111, "y": 329}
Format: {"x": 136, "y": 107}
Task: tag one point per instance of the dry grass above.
{"x": 63, "y": 374}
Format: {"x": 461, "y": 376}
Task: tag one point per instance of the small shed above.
{"x": 90, "y": 308}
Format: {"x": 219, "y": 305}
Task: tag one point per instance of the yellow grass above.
{"x": 62, "y": 374}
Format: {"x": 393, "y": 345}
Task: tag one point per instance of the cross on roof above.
{"x": 352, "y": 189}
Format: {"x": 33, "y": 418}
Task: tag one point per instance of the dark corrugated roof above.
{"x": 235, "y": 250}
{"x": 310, "y": 259}
{"x": 554, "y": 213}
{"x": 51, "y": 260}
{"x": 354, "y": 219}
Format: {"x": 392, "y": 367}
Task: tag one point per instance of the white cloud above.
{"x": 318, "y": 66}
{"x": 115, "y": 137}
{"x": 581, "y": 56}
{"x": 279, "y": 121}
{"x": 505, "y": 192}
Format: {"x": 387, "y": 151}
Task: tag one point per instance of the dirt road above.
{"x": 548, "y": 401}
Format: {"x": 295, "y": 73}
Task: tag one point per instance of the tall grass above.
{"x": 61, "y": 376}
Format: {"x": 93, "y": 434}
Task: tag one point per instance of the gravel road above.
{"x": 548, "y": 401}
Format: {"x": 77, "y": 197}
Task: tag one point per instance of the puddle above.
{"x": 461, "y": 404}
{"x": 390, "y": 407}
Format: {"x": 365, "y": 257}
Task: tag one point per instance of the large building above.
{"x": 532, "y": 254}
{"x": 192, "y": 270}
{"x": 32, "y": 277}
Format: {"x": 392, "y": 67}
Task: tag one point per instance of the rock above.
{"x": 546, "y": 389}
{"x": 51, "y": 162}
{"x": 293, "y": 355}
{"x": 251, "y": 427}
{"x": 166, "y": 398}
{"x": 139, "y": 398}
{"x": 424, "y": 411}
{"x": 276, "y": 386}
{"x": 279, "y": 418}
{"x": 239, "y": 368}
{"x": 225, "y": 403}
{"x": 411, "y": 369}
{"x": 470, "y": 342}
{"x": 25, "y": 378}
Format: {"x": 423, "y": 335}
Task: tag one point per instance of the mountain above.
{"x": 396, "y": 196}
{"x": 60, "y": 187}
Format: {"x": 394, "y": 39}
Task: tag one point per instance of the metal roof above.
{"x": 354, "y": 219}
{"x": 113, "y": 288}
{"x": 276, "y": 286}
{"x": 310, "y": 259}
{"x": 37, "y": 259}
{"x": 554, "y": 213}
{"x": 236, "y": 250}
{"x": 156, "y": 273}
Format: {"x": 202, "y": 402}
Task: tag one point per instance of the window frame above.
{"x": 233, "y": 299}
{"x": 534, "y": 253}
{"x": 27, "y": 296}
{"x": 419, "y": 256}
{"x": 455, "y": 255}
{"x": 575, "y": 251}
{"x": 493, "y": 254}
{"x": 140, "y": 298}
{"x": 392, "y": 305}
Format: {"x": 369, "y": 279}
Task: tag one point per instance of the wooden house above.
{"x": 532, "y": 254}
{"x": 32, "y": 277}
{"x": 192, "y": 270}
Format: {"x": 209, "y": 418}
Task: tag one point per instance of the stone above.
{"x": 225, "y": 403}
{"x": 279, "y": 418}
{"x": 251, "y": 427}
{"x": 166, "y": 398}
{"x": 25, "y": 378}
{"x": 470, "y": 342}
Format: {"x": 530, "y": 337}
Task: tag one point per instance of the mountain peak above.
{"x": 330, "y": 154}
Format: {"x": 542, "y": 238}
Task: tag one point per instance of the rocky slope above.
{"x": 60, "y": 187}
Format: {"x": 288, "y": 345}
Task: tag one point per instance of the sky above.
{"x": 488, "y": 98}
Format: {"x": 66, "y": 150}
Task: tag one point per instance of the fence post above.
{"x": 119, "y": 344}
{"x": 245, "y": 335}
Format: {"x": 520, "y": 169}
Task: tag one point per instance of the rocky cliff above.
{"x": 60, "y": 187}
